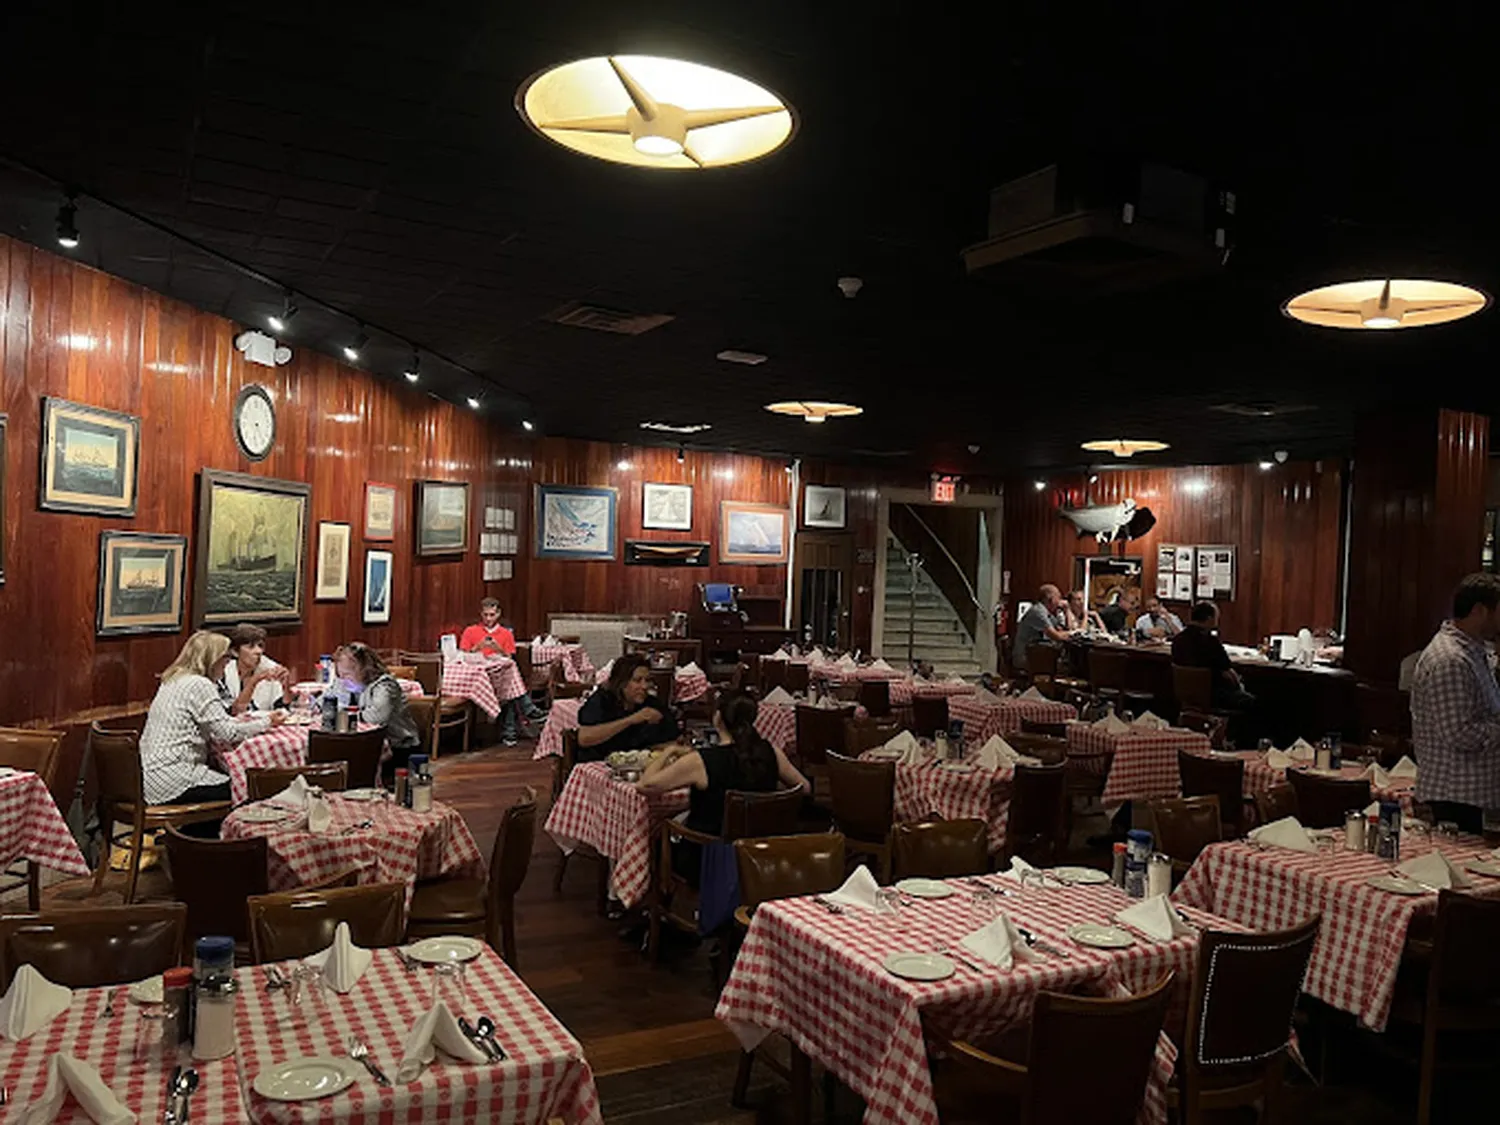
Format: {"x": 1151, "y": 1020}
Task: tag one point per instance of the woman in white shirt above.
{"x": 252, "y": 680}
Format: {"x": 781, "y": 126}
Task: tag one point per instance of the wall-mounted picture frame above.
{"x": 376, "y": 607}
{"x": 442, "y": 521}
{"x": 141, "y": 583}
{"x": 2, "y": 498}
{"x": 666, "y": 507}
{"x": 332, "y": 582}
{"x": 380, "y": 511}
{"x": 824, "y": 506}
{"x": 576, "y": 522}
{"x": 89, "y": 459}
{"x": 752, "y": 533}
{"x": 251, "y": 557}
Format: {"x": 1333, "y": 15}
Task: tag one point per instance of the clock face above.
{"x": 255, "y": 422}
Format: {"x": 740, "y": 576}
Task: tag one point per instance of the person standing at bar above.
{"x": 1455, "y": 709}
{"x": 1039, "y": 623}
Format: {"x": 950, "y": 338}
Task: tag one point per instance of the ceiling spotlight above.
{"x": 1038, "y": 484}
{"x": 815, "y": 411}
{"x": 527, "y": 425}
{"x": 1125, "y": 447}
{"x": 790, "y": 465}
{"x": 850, "y": 286}
{"x": 622, "y": 466}
{"x": 288, "y": 310}
{"x": 681, "y": 455}
{"x": 1389, "y": 303}
{"x": 1093, "y": 478}
{"x": 413, "y": 371}
{"x": 654, "y": 112}
{"x": 351, "y": 349}
{"x": 473, "y": 402}
{"x": 1281, "y": 455}
{"x": 1264, "y": 465}
{"x": 67, "y": 224}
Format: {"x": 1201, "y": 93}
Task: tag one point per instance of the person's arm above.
{"x": 674, "y": 770}
{"x": 382, "y": 700}
{"x": 218, "y": 726}
{"x": 247, "y": 692}
{"x": 595, "y": 733}
{"x": 789, "y": 774}
{"x": 470, "y": 638}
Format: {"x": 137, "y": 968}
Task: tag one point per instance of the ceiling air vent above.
{"x": 1261, "y": 409}
{"x": 600, "y": 319}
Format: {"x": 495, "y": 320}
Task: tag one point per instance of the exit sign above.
{"x": 944, "y": 489}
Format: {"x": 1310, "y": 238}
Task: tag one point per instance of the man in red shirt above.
{"x": 489, "y": 636}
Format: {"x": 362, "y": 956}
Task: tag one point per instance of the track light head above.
{"x": 351, "y": 349}
{"x": 528, "y": 425}
{"x": 279, "y": 323}
{"x": 681, "y": 455}
{"x": 413, "y": 370}
{"x": 473, "y": 403}
{"x": 67, "y": 224}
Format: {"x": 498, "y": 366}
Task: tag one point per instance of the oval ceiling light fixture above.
{"x": 815, "y": 411}
{"x": 1392, "y": 302}
{"x": 1125, "y": 447}
{"x": 654, "y": 112}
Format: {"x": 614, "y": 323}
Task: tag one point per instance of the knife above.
{"x": 474, "y": 1037}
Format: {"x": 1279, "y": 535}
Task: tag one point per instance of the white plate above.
{"x": 1396, "y": 885}
{"x": 1100, "y": 936}
{"x": 881, "y": 754}
{"x": 958, "y": 767}
{"x": 265, "y": 814}
{"x": 362, "y": 794}
{"x": 924, "y": 888}
{"x": 148, "y": 991}
{"x": 302, "y": 1080}
{"x": 442, "y": 950}
{"x": 918, "y": 966}
{"x": 1490, "y": 867}
{"x": 1085, "y": 875}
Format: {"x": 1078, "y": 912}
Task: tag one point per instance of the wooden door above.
{"x": 823, "y": 587}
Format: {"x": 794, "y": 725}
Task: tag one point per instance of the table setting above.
{"x": 984, "y": 713}
{"x": 1268, "y": 766}
{"x": 574, "y": 658}
{"x": 1144, "y": 763}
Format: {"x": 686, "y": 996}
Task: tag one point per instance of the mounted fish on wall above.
{"x": 1107, "y": 522}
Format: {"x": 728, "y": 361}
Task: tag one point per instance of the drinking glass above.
{"x": 304, "y": 991}
{"x": 1447, "y": 831}
{"x": 888, "y": 900}
{"x": 984, "y": 906}
{"x": 448, "y": 985}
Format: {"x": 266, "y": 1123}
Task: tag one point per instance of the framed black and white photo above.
{"x": 89, "y": 459}
{"x": 823, "y": 506}
{"x": 667, "y": 507}
{"x": 377, "y": 603}
{"x": 140, "y": 583}
{"x": 333, "y": 562}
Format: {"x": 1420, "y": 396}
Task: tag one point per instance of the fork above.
{"x": 109, "y": 1007}
{"x": 947, "y": 950}
{"x": 361, "y": 1054}
{"x": 274, "y": 979}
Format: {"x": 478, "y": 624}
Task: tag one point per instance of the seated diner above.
{"x": 252, "y": 680}
{"x": 617, "y": 716}
{"x": 382, "y": 702}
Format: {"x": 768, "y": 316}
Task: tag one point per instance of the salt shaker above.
{"x": 213, "y": 1031}
{"x": 421, "y": 793}
{"x": 1354, "y": 830}
{"x": 1159, "y": 875}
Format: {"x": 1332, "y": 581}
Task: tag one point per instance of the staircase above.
{"x": 938, "y": 634}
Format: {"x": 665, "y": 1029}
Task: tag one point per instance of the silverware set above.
{"x": 275, "y": 979}
{"x": 361, "y": 1054}
{"x": 408, "y": 962}
{"x": 482, "y": 1035}
{"x": 180, "y": 1088}
{"x": 1039, "y": 944}
{"x": 108, "y": 1011}
{"x": 831, "y": 907}
{"x": 946, "y": 950}
{"x": 361, "y": 826}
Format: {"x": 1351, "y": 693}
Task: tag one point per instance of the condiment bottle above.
{"x": 421, "y": 793}
{"x": 213, "y": 1029}
{"x": 403, "y": 788}
{"x": 1117, "y": 875}
{"x": 176, "y": 989}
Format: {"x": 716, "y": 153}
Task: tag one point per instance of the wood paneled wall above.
{"x": 1285, "y": 522}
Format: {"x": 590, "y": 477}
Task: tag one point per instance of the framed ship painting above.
{"x": 442, "y": 517}
{"x": 251, "y": 563}
{"x": 666, "y": 507}
{"x": 575, "y": 522}
{"x": 140, "y": 583}
{"x": 89, "y": 459}
{"x": 752, "y": 533}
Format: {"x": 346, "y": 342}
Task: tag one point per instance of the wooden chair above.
{"x": 819, "y": 730}
{"x": 1323, "y": 801}
{"x": 1051, "y": 749}
{"x": 866, "y": 734}
{"x": 96, "y": 946}
{"x": 541, "y": 680}
{"x": 863, "y": 797}
{"x": 1088, "y": 773}
{"x": 1193, "y": 688}
{"x": 1215, "y": 726}
{"x": 1117, "y": 1036}
{"x": 1222, "y": 777}
{"x": 1183, "y": 827}
{"x": 940, "y": 849}
{"x": 453, "y": 711}
{"x": 773, "y": 676}
{"x": 569, "y": 638}
{"x": 566, "y": 761}
{"x": 402, "y": 671}
{"x": 427, "y": 670}
{"x": 262, "y": 783}
{"x": 1037, "y": 828}
{"x": 929, "y": 714}
{"x": 664, "y": 687}
{"x": 798, "y": 677}
{"x": 120, "y": 798}
{"x": 36, "y": 751}
{"x": 1239, "y": 1019}
{"x": 1051, "y": 730}
{"x": 212, "y": 878}
{"x": 424, "y": 710}
{"x": 875, "y": 697}
{"x": 1276, "y": 802}
{"x": 360, "y": 751}
{"x": 284, "y": 926}
{"x": 1108, "y": 671}
{"x": 483, "y": 907}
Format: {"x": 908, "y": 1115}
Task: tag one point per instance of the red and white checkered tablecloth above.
{"x": 832, "y": 674}
{"x": 545, "y": 1074}
{"x": 816, "y": 978}
{"x": 124, "y": 1049}
{"x": 32, "y": 828}
{"x": 1363, "y": 934}
{"x": 688, "y": 686}
{"x": 312, "y": 687}
{"x": 563, "y": 716}
{"x": 575, "y": 659}
{"x": 1260, "y": 776}
{"x": 1145, "y": 762}
{"x": 615, "y": 819}
{"x": 278, "y": 748}
{"x": 401, "y": 846}
{"x": 487, "y": 685}
{"x": 777, "y": 724}
{"x": 956, "y": 793}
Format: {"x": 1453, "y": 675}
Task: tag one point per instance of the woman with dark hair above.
{"x": 616, "y": 716}
{"x": 252, "y": 680}
{"x": 382, "y": 703}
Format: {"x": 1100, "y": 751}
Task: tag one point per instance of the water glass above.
{"x": 1447, "y": 831}
{"x": 888, "y": 901}
{"x": 984, "y": 906}
{"x": 448, "y": 985}
{"x": 304, "y": 991}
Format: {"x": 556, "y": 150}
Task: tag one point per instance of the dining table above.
{"x": 952, "y": 790}
{"x": 1261, "y": 775}
{"x": 574, "y": 658}
{"x": 32, "y": 828}
{"x": 985, "y": 714}
{"x": 1144, "y": 763}
{"x": 489, "y": 683}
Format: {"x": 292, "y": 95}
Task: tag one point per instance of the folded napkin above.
{"x": 1278, "y": 759}
{"x": 996, "y": 753}
{"x": 294, "y": 796}
{"x": 1436, "y": 870}
{"x": 1031, "y": 695}
{"x": 858, "y": 890}
{"x": 1112, "y": 724}
{"x": 1378, "y": 777}
{"x": 848, "y": 662}
{"x": 30, "y": 1003}
{"x": 1018, "y": 867}
{"x": 65, "y": 1075}
{"x": 689, "y": 668}
{"x": 1302, "y": 751}
{"x": 1155, "y": 918}
{"x": 1284, "y": 833}
{"x": 1373, "y": 808}
{"x": 999, "y": 943}
{"x": 1147, "y": 721}
{"x": 549, "y": 639}
{"x": 779, "y": 695}
{"x": 437, "y": 1027}
{"x": 343, "y": 962}
{"x": 903, "y": 741}
{"x": 881, "y": 666}
{"x": 1404, "y": 768}
{"x": 777, "y": 655}
{"x": 985, "y": 695}
{"x": 319, "y": 815}
{"x": 536, "y": 640}
{"x": 827, "y": 703}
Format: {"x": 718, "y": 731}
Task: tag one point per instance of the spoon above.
{"x": 486, "y": 1028}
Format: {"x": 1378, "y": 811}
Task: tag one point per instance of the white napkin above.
{"x": 955, "y": 678}
{"x": 30, "y": 1003}
{"x": 848, "y": 662}
{"x": 343, "y": 962}
{"x": 1031, "y": 695}
{"x": 985, "y": 695}
{"x": 1018, "y": 867}
{"x": 536, "y": 640}
{"x": 779, "y": 695}
{"x": 882, "y": 666}
{"x": 1378, "y": 777}
{"x": 437, "y": 1027}
{"x": 777, "y": 655}
{"x": 858, "y": 890}
{"x": 999, "y": 943}
{"x": 602, "y": 676}
{"x": 1436, "y": 870}
{"x": 689, "y": 668}
{"x": 1278, "y": 759}
{"x": 64, "y": 1074}
{"x": 549, "y": 639}
{"x": 1404, "y": 768}
{"x": 902, "y": 740}
{"x": 1147, "y": 721}
{"x": 1284, "y": 833}
{"x": 996, "y": 753}
{"x": 817, "y": 653}
{"x": 319, "y": 815}
{"x": 1155, "y": 918}
{"x": 826, "y": 703}
{"x": 1301, "y": 751}
{"x": 1372, "y": 809}
{"x": 1112, "y": 724}
{"x": 294, "y": 796}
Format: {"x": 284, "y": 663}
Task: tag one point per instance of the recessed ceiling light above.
{"x": 749, "y": 359}
{"x": 1125, "y": 447}
{"x": 1039, "y": 484}
{"x": 655, "y": 113}
{"x": 815, "y": 411}
{"x": 527, "y": 425}
{"x": 1386, "y": 303}
{"x": 669, "y": 428}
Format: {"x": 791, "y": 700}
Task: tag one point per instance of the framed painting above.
{"x": 141, "y": 580}
{"x": 2, "y": 499}
{"x": 752, "y": 533}
{"x": 380, "y": 511}
{"x": 89, "y": 459}
{"x": 332, "y": 582}
{"x": 250, "y": 558}
{"x": 575, "y": 522}
{"x": 667, "y": 507}
{"x": 823, "y": 507}
{"x": 377, "y": 603}
{"x": 442, "y": 517}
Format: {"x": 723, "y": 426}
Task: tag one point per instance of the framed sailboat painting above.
{"x": 251, "y": 557}
{"x": 575, "y": 522}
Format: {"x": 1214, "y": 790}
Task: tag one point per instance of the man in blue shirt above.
{"x": 1039, "y": 623}
{"x": 1157, "y": 622}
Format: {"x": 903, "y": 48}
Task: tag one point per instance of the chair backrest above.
{"x": 1183, "y": 827}
{"x": 761, "y": 814}
{"x": 798, "y": 676}
{"x": 1323, "y": 801}
{"x": 772, "y": 675}
{"x": 1037, "y": 824}
{"x": 929, "y": 714}
{"x": 428, "y": 671}
{"x": 424, "y": 711}
{"x": 283, "y": 926}
{"x": 511, "y": 855}
{"x": 662, "y": 682}
{"x": 1275, "y": 803}
{"x": 1051, "y": 730}
{"x": 863, "y": 796}
{"x": 1465, "y": 971}
{"x": 875, "y": 695}
{"x": 940, "y": 849}
{"x": 867, "y": 733}
{"x": 1245, "y": 989}
{"x": 1041, "y": 659}
{"x": 1051, "y": 749}
{"x": 361, "y": 749}
{"x": 402, "y": 671}
{"x": 116, "y": 757}
{"x": 34, "y": 750}
{"x": 1223, "y": 777}
{"x": 271, "y": 780}
{"x": 1215, "y": 726}
{"x": 1193, "y": 687}
{"x": 213, "y": 878}
{"x": 819, "y": 730}
{"x": 787, "y": 866}
{"x": 1108, "y": 668}
{"x": 95, "y": 946}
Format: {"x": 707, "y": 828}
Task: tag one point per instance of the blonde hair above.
{"x": 198, "y": 656}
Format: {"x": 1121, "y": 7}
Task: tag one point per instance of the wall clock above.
{"x": 255, "y": 422}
